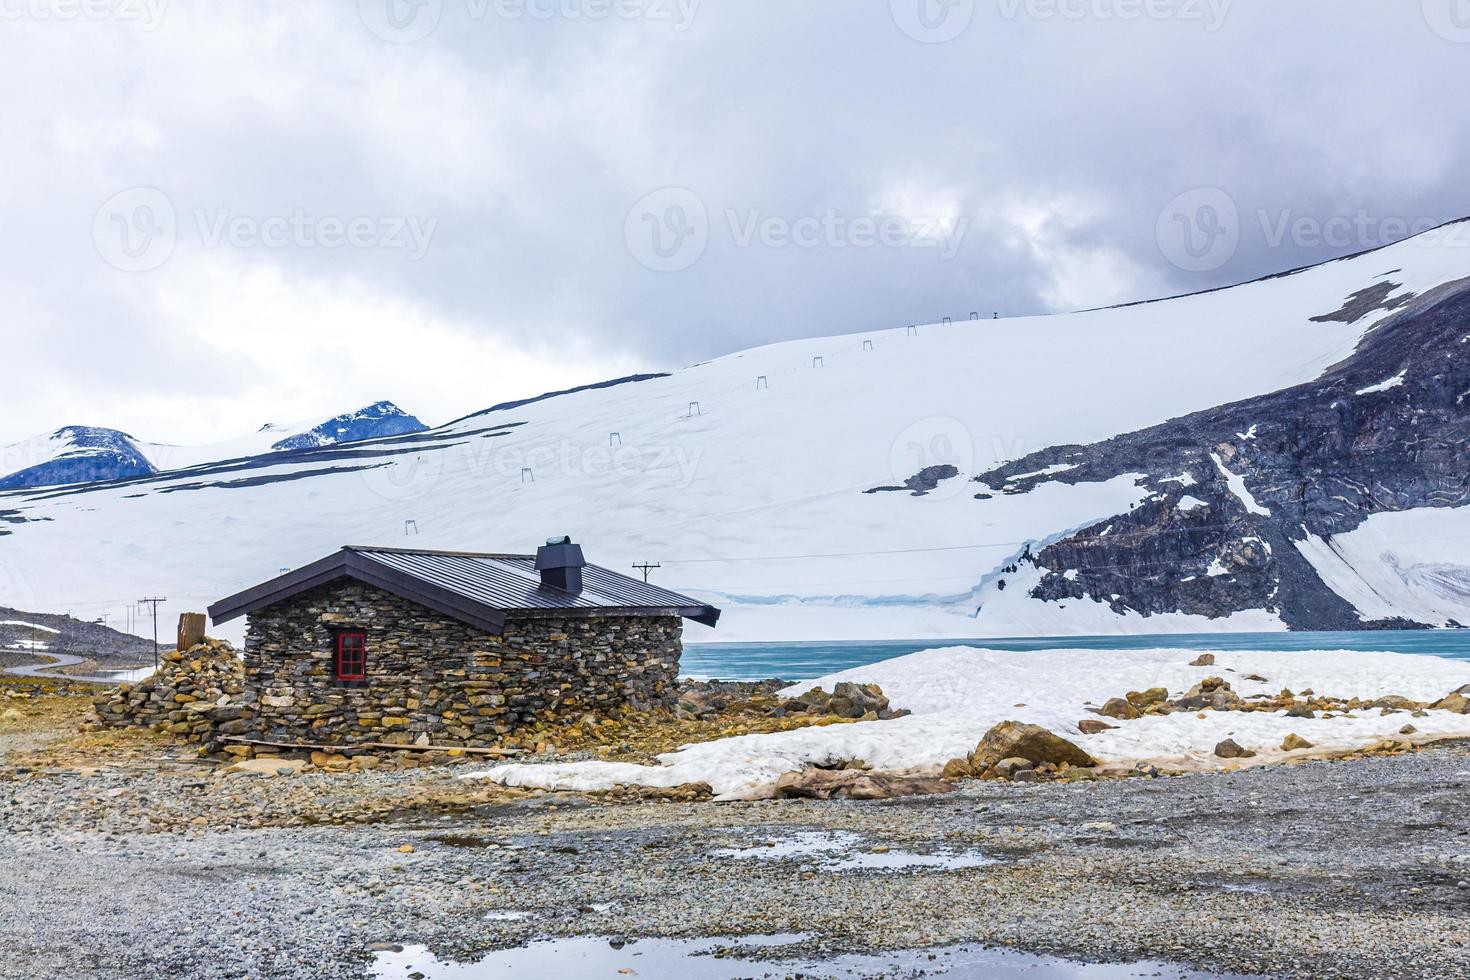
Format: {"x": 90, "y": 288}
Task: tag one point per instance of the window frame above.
{"x": 337, "y": 674}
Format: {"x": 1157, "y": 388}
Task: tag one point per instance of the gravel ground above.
{"x": 1321, "y": 869}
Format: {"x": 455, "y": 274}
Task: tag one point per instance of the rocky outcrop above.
{"x": 376, "y": 421}
{"x": 87, "y": 454}
{"x": 1385, "y": 430}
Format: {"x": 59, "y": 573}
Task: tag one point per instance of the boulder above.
{"x": 1301, "y": 710}
{"x": 1203, "y": 660}
{"x": 1394, "y": 702}
{"x": 1120, "y": 708}
{"x": 1015, "y": 740}
{"x": 1146, "y": 699}
{"x": 1230, "y": 749}
{"x": 1091, "y": 726}
{"x": 958, "y": 769}
{"x": 1293, "y": 742}
{"x": 1010, "y": 768}
{"x": 1456, "y": 701}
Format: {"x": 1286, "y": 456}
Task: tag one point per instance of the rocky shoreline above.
{"x": 152, "y": 862}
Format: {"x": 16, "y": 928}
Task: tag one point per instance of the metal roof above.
{"x": 480, "y": 589}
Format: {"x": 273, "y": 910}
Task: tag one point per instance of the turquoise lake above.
{"x": 803, "y": 661}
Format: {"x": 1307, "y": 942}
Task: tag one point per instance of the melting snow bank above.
{"x": 957, "y": 694}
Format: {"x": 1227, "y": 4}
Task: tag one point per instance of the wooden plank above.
{"x": 304, "y": 747}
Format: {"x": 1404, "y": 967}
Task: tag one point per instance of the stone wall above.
{"x": 434, "y": 680}
{"x": 191, "y": 695}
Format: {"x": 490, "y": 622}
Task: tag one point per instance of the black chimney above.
{"x": 560, "y": 563}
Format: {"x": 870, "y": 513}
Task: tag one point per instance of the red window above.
{"x": 351, "y": 656}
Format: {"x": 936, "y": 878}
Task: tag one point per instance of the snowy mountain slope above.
{"x": 746, "y": 476}
{"x": 72, "y": 454}
{"x": 1339, "y": 503}
{"x": 86, "y": 454}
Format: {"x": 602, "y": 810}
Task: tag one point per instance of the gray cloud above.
{"x": 1041, "y": 145}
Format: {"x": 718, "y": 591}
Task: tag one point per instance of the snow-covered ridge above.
{"x": 79, "y": 454}
{"x": 744, "y": 476}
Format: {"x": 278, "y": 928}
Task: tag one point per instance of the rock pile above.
{"x": 847, "y": 700}
{"x": 702, "y": 700}
{"x": 193, "y": 695}
{"x": 856, "y": 784}
{"x": 1216, "y": 694}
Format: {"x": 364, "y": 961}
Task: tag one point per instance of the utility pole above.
{"x": 645, "y": 568}
{"x": 154, "y": 603}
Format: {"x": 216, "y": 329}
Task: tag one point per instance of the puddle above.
{"x": 841, "y": 851}
{"x": 712, "y": 959}
{"x": 806, "y": 844}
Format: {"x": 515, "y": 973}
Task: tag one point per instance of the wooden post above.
{"x": 191, "y": 630}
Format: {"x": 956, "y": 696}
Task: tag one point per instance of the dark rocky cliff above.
{"x": 1387, "y": 429}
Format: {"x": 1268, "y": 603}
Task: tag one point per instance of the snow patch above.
{"x": 1187, "y": 503}
{"x": 956, "y": 694}
{"x": 1238, "y": 487}
{"x": 1391, "y": 383}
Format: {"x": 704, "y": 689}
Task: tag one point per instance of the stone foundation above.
{"x": 432, "y": 680}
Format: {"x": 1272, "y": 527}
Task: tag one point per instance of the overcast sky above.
{"x": 218, "y": 214}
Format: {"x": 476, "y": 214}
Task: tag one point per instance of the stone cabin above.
{"x": 410, "y": 647}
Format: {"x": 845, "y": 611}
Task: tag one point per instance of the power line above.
{"x": 154, "y": 603}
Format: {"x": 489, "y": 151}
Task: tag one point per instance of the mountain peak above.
{"x": 375, "y": 421}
